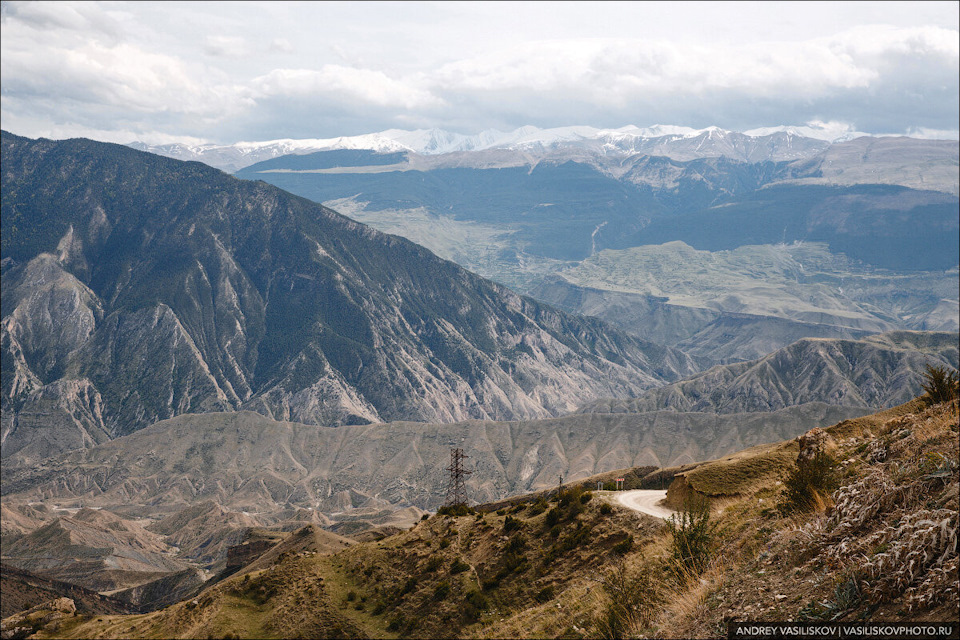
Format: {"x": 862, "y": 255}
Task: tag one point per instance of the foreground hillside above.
{"x": 137, "y": 288}
{"x": 776, "y": 543}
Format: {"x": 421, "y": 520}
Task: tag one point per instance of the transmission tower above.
{"x": 456, "y": 490}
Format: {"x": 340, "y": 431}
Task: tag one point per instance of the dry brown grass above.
{"x": 891, "y": 528}
{"x": 745, "y": 472}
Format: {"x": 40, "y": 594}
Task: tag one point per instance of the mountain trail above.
{"x": 645, "y": 501}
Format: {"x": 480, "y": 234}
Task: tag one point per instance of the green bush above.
{"x": 442, "y": 591}
{"x": 455, "y": 510}
{"x": 473, "y": 603}
{"x": 545, "y": 594}
{"x": 517, "y": 543}
{"x": 458, "y": 566}
{"x": 634, "y": 598}
{"x": 511, "y": 524}
{"x": 553, "y": 517}
{"x": 444, "y": 543}
{"x": 537, "y": 507}
{"x": 809, "y": 484}
{"x": 396, "y": 624}
{"x": 940, "y": 384}
{"x": 606, "y": 509}
{"x": 692, "y": 539}
{"x": 408, "y": 586}
{"x": 586, "y": 497}
{"x": 433, "y": 563}
{"x": 623, "y": 547}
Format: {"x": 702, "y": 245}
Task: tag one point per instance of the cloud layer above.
{"x": 225, "y": 72}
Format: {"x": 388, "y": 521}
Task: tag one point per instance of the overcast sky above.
{"x": 225, "y": 72}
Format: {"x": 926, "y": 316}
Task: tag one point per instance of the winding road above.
{"x": 645, "y": 501}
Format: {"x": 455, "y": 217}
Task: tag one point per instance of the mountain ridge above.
{"x": 877, "y": 371}
{"x": 190, "y": 290}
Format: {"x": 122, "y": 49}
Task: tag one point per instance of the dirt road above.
{"x": 645, "y": 501}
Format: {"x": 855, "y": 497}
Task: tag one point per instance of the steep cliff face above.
{"x": 137, "y": 288}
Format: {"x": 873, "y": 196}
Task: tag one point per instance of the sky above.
{"x": 225, "y": 72}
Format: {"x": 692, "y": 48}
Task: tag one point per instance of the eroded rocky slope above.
{"x": 137, "y": 288}
{"x": 248, "y": 462}
{"x": 877, "y": 371}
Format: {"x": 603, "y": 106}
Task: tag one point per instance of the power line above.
{"x": 456, "y": 489}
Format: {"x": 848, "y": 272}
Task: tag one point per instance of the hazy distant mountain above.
{"x": 928, "y": 164}
{"x": 136, "y": 288}
{"x": 566, "y": 221}
{"x": 682, "y": 143}
{"x": 743, "y": 303}
{"x": 879, "y": 371}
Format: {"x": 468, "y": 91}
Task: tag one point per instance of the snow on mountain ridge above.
{"x": 657, "y": 139}
{"x": 826, "y": 131}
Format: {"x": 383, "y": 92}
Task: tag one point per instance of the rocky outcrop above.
{"x": 164, "y": 591}
{"x": 46, "y": 617}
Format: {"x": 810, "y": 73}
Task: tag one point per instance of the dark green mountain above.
{"x": 552, "y": 208}
{"x": 887, "y": 226}
{"x": 136, "y": 288}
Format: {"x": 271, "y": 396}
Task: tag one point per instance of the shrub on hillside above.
{"x": 441, "y": 591}
{"x": 545, "y": 594}
{"x": 693, "y": 537}
{"x": 553, "y": 517}
{"x": 537, "y": 507}
{"x": 474, "y": 603}
{"x": 808, "y": 485}
{"x": 511, "y": 524}
{"x": 455, "y": 510}
{"x": 940, "y": 385}
{"x": 624, "y": 546}
{"x": 633, "y": 600}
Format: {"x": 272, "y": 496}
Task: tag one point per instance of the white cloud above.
{"x": 226, "y": 46}
{"x": 600, "y": 67}
{"x": 281, "y": 45}
{"x": 933, "y": 134}
{"x": 342, "y": 83}
{"x": 190, "y": 69}
{"x": 121, "y": 75}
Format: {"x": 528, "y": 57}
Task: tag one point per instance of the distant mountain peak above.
{"x": 627, "y": 140}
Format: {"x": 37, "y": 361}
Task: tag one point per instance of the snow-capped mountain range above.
{"x": 678, "y": 142}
